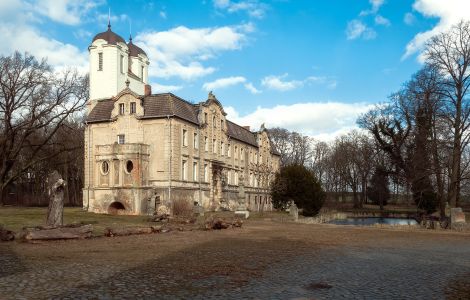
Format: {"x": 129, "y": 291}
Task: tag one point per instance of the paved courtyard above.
{"x": 263, "y": 260}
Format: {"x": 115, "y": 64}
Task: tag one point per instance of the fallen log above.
{"x": 110, "y": 232}
{"x": 57, "y": 233}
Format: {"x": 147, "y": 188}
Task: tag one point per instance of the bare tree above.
{"x": 449, "y": 53}
{"x": 35, "y": 104}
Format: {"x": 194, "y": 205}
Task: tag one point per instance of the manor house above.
{"x": 146, "y": 151}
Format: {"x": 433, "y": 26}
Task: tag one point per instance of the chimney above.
{"x": 247, "y": 127}
{"x": 148, "y": 90}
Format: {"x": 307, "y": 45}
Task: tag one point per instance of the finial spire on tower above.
{"x": 109, "y": 17}
{"x": 130, "y": 30}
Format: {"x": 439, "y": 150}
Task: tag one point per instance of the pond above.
{"x": 373, "y": 221}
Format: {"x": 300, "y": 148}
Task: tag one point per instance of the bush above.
{"x": 182, "y": 208}
{"x": 378, "y": 191}
{"x": 297, "y": 184}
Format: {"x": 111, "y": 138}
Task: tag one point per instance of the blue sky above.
{"x": 311, "y": 66}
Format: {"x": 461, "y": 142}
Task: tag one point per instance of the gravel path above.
{"x": 266, "y": 260}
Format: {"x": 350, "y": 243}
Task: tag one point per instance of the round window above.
{"x": 104, "y": 167}
{"x": 129, "y": 166}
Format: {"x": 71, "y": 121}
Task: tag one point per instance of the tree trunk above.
{"x": 456, "y": 153}
{"x": 55, "y": 210}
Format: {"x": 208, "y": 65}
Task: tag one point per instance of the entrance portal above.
{"x": 116, "y": 208}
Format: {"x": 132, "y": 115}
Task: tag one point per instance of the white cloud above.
{"x": 379, "y": 20}
{"x": 250, "y": 87}
{"x": 277, "y": 82}
{"x": 223, "y": 83}
{"x": 180, "y": 51}
{"x": 17, "y": 27}
{"x": 254, "y": 8}
{"x": 230, "y": 81}
{"x": 69, "y": 12}
{"x": 409, "y": 18}
{"x": 375, "y": 6}
{"x": 323, "y": 121}
{"x": 162, "y": 14}
{"x": 449, "y": 13}
{"x": 160, "y": 88}
{"x": 357, "y": 29}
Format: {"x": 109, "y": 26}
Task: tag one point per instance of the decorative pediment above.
{"x": 126, "y": 91}
{"x": 212, "y": 99}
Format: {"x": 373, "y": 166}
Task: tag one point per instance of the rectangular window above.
{"x": 185, "y": 137}
{"x": 213, "y": 122}
{"x": 221, "y": 124}
{"x": 205, "y": 118}
{"x": 206, "y": 143}
{"x": 195, "y": 171}
{"x": 241, "y": 154}
{"x": 236, "y": 178}
{"x": 236, "y": 152}
{"x": 184, "y": 170}
{"x": 196, "y": 141}
{"x": 229, "y": 150}
{"x": 214, "y": 146}
{"x": 142, "y": 73}
{"x": 100, "y": 61}
{"x": 222, "y": 148}
{"x": 121, "y": 64}
{"x": 121, "y": 139}
{"x": 206, "y": 173}
{"x": 133, "y": 107}
{"x": 121, "y": 108}
{"x": 229, "y": 177}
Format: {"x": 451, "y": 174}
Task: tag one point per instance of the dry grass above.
{"x": 15, "y": 218}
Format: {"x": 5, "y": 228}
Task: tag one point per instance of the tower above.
{"x": 115, "y": 65}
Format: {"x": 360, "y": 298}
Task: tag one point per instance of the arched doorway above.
{"x": 116, "y": 208}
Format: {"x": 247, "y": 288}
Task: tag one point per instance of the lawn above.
{"x": 15, "y": 218}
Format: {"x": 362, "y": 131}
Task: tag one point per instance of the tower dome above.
{"x": 134, "y": 50}
{"x": 109, "y": 36}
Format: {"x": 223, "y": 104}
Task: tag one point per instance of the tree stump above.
{"x": 55, "y": 211}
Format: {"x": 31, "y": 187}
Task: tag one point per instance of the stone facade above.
{"x": 144, "y": 151}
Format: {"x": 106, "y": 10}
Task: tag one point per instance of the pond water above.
{"x": 373, "y": 221}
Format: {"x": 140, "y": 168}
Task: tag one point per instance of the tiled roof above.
{"x": 101, "y": 112}
{"x": 240, "y": 133}
{"x": 163, "y": 105}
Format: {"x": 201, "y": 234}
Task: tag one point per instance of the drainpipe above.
{"x": 170, "y": 158}
{"x": 89, "y": 169}
{"x": 200, "y": 164}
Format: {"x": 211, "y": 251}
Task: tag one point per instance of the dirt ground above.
{"x": 234, "y": 263}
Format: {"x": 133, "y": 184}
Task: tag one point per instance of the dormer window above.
{"x": 133, "y": 107}
{"x": 100, "y": 61}
{"x": 121, "y": 109}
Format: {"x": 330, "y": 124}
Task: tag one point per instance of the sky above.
{"x": 311, "y": 66}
